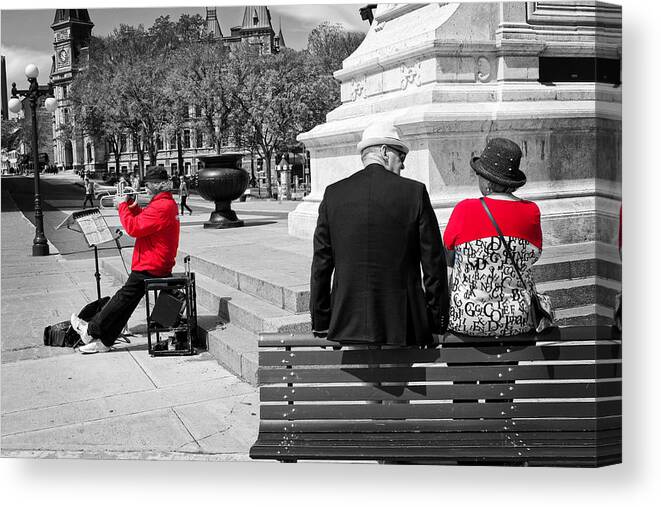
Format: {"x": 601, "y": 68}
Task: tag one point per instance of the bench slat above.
{"x": 490, "y": 354}
{"x": 589, "y": 424}
{"x": 562, "y": 417}
{"x": 440, "y": 392}
{"x": 442, "y": 373}
{"x": 467, "y": 438}
{"x": 390, "y": 452}
{"x": 570, "y": 333}
{"x": 443, "y": 410}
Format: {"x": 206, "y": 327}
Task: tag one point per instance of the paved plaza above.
{"x": 122, "y": 404}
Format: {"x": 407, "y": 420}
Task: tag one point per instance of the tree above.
{"x": 96, "y": 103}
{"x": 122, "y": 92}
{"x": 44, "y": 129}
{"x": 11, "y": 134}
{"x": 272, "y": 97}
{"x": 199, "y": 78}
{"x": 330, "y": 44}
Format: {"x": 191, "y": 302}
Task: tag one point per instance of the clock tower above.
{"x": 72, "y": 33}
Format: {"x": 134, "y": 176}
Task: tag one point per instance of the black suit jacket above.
{"x": 375, "y": 229}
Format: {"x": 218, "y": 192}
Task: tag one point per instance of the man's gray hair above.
{"x": 376, "y": 149}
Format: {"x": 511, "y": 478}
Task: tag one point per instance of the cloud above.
{"x": 16, "y": 58}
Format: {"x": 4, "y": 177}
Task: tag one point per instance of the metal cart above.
{"x": 175, "y": 311}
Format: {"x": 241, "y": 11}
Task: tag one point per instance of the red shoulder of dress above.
{"x": 469, "y": 221}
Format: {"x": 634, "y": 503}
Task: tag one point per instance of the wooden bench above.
{"x": 552, "y": 399}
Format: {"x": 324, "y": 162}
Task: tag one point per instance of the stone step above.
{"x": 229, "y": 320}
{"x": 285, "y": 290}
{"x": 588, "y": 315}
{"x": 591, "y": 290}
{"x": 578, "y": 260}
{"x": 234, "y": 348}
{"x": 282, "y": 290}
{"x": 247, "y": 311}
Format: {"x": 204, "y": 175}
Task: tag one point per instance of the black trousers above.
{"x": 90, "y": 198}
{"x": 184, "y": 205}
{"x": 107, "y": 325}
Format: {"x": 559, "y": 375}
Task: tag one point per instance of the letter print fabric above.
{"x": 487, "y": 297}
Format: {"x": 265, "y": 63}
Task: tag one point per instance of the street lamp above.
{"x": 39, "y": 244}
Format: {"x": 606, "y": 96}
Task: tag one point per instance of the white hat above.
{"x": 382, "y": 132}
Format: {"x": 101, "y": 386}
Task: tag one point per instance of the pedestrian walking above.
{"x": 183, "y": 196}
{"x": 135, "y": 182}
{"x": 89, "y": 192}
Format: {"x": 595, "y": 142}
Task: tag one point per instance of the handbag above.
{"x": 541, "y": 308}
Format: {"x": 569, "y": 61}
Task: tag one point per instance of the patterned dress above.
{"x": 487, "y": 297}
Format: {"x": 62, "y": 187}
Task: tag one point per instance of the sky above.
{"x": 26, "y": 36}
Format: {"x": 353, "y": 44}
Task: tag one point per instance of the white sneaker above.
{"x": 93, "y": 347}
{"x": 80, "y": 327}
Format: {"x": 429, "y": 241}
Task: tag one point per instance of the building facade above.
{"x": 72, "y": 32}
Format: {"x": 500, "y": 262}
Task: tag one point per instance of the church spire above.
{"x": 256, "y": 17}
{"x": 280, "y": 38}
{"x": 78, "y": 16}
{"x": 213, "y": 27}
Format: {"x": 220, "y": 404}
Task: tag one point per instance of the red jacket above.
{"x": 156, "y": 229}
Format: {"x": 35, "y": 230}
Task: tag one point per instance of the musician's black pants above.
{"x": 107, "y": 325}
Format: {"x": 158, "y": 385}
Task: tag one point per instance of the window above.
{"x": 186, "y": 139}
{"x": 122, "y": 144}
{"x": 173, "y": 142}
{"x": 199, "y": 140}
{"x": 184, "y": 112}
{"x": 64, "y": 91}
{"x": 66, "y": 115}
{"x": 198, "y": 111}
{"x": 159, "y": 142}
{"x": 599, "y": 70}
{"x": 173, "y": 169}
{"x": 89, "y": 152}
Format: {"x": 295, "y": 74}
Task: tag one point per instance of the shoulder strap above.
{"x": 502, "y": 239}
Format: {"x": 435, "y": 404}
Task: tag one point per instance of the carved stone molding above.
{"x": 358, "y": 88}
{"x": 483, "y": 67}
{"x": 410, "y": 75}
{"x": 574, "y": 14}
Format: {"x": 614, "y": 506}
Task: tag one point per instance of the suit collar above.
{"x": 375, "y": 166}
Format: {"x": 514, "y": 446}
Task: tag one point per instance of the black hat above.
{"x": 499, "y": 163}
{"x": 154, "y": 173}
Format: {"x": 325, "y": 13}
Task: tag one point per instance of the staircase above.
{"x": 238, "y": 300}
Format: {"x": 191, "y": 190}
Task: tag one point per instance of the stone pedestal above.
{"x": 451, "y": 75}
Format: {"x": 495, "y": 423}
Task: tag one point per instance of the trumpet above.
{"x": 127, "y": 190}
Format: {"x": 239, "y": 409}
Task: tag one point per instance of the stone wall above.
{"x": 451, "y": 75}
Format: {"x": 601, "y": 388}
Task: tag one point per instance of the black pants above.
{"x": 184, "y": 205}
{"x": 107, "y": 325}
{"x": 90, "y": 198}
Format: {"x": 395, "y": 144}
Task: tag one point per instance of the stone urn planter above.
{"x": 222, "y": 180}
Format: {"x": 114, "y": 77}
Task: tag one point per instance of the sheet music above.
{"x": 93, "y": 225}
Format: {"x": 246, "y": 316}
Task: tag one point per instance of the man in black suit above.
{"x": 375, "y": 229}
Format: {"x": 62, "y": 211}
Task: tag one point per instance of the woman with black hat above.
{"x": 488, "y": 298}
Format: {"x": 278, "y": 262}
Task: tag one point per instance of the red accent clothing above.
{"x": 156, "y": 229}
{"x": 469, "y": 221}
{"x": 487, "y": 297}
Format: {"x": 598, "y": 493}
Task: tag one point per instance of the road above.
{"x": 61, "y": 196}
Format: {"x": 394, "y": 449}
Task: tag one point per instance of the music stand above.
{"x": 91, "y": 224}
